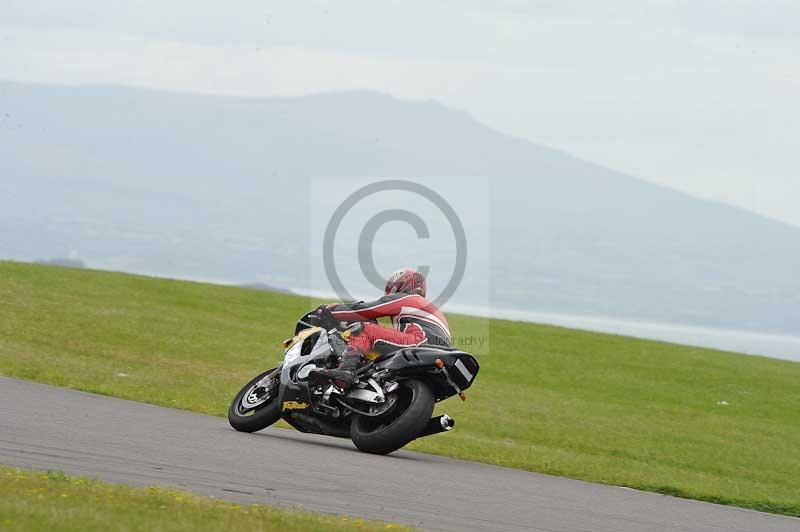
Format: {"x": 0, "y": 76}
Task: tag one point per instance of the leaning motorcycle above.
{"x": 389, "y": 406}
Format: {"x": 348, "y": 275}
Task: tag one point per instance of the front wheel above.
{"x": 401, "y": 425}
{"x": 256, "y": 406}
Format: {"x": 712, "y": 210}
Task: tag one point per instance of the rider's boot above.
{"x": 345, "y": 375}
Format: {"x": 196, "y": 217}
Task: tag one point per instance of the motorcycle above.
{"x": 389, "y": 406}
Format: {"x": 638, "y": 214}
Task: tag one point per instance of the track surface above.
{"x": 122, "y": 441}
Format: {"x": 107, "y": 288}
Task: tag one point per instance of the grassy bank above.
{"x": 47, "y": 501}
{"x": 686, "y": 421}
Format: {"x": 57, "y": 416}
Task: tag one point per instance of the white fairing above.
{"x": 292, "y": 353}
{"x": 292, "y": 358}
{"x": 321, "y": 347}
{"x": 303, "y": 372}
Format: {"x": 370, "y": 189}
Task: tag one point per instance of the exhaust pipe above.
{"x": 439, "y": 424}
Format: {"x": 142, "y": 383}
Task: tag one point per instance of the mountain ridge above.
{"x": 147, "y": 180}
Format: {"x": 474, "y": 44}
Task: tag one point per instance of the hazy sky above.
{"x": 703, "y": 96}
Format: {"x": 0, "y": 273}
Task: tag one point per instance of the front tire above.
{"x": 255, "y": 408}
{"x": 401, "y": 425}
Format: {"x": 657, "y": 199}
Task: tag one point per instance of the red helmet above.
{"x": 407, "y": 281}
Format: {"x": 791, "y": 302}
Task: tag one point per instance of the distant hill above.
{"x": 66, "y": 263}
{"x": 213, "y": 187}
{"x": 265, "y": 288}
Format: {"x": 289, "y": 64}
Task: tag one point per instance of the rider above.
{"x": 415, "y": 321}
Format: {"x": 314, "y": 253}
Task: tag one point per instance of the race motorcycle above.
{"x": 390, "y": 405}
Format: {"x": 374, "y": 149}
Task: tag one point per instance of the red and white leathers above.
{"x": 415, "y": 321}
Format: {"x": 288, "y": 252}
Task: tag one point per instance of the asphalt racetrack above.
{"x": 43, "y": 427}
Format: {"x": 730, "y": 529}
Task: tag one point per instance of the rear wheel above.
{"x": 400, "y": 425}
{"x": 256, "y": 406}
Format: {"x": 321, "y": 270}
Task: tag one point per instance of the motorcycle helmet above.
{"x": 406, "y": 281}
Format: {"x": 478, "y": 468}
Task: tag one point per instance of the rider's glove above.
{"x": 325, "y": 317}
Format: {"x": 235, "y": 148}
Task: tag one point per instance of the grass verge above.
{"x": 46, "y": 501}
{"x": 686, "y": 421}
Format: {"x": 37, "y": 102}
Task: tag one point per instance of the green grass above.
{"x": 598, "y": 407}
{"x": 46, "y": 501}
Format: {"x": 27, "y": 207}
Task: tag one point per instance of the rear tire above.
{"x": 398, "y": 427}
{"x": 257, "y": 418}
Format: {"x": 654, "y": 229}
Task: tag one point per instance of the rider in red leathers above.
{"x": 415, "y": 321}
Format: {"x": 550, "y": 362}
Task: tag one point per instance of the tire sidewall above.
{"x": 262, "y": 418}
{"x": 403, "y": 430}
